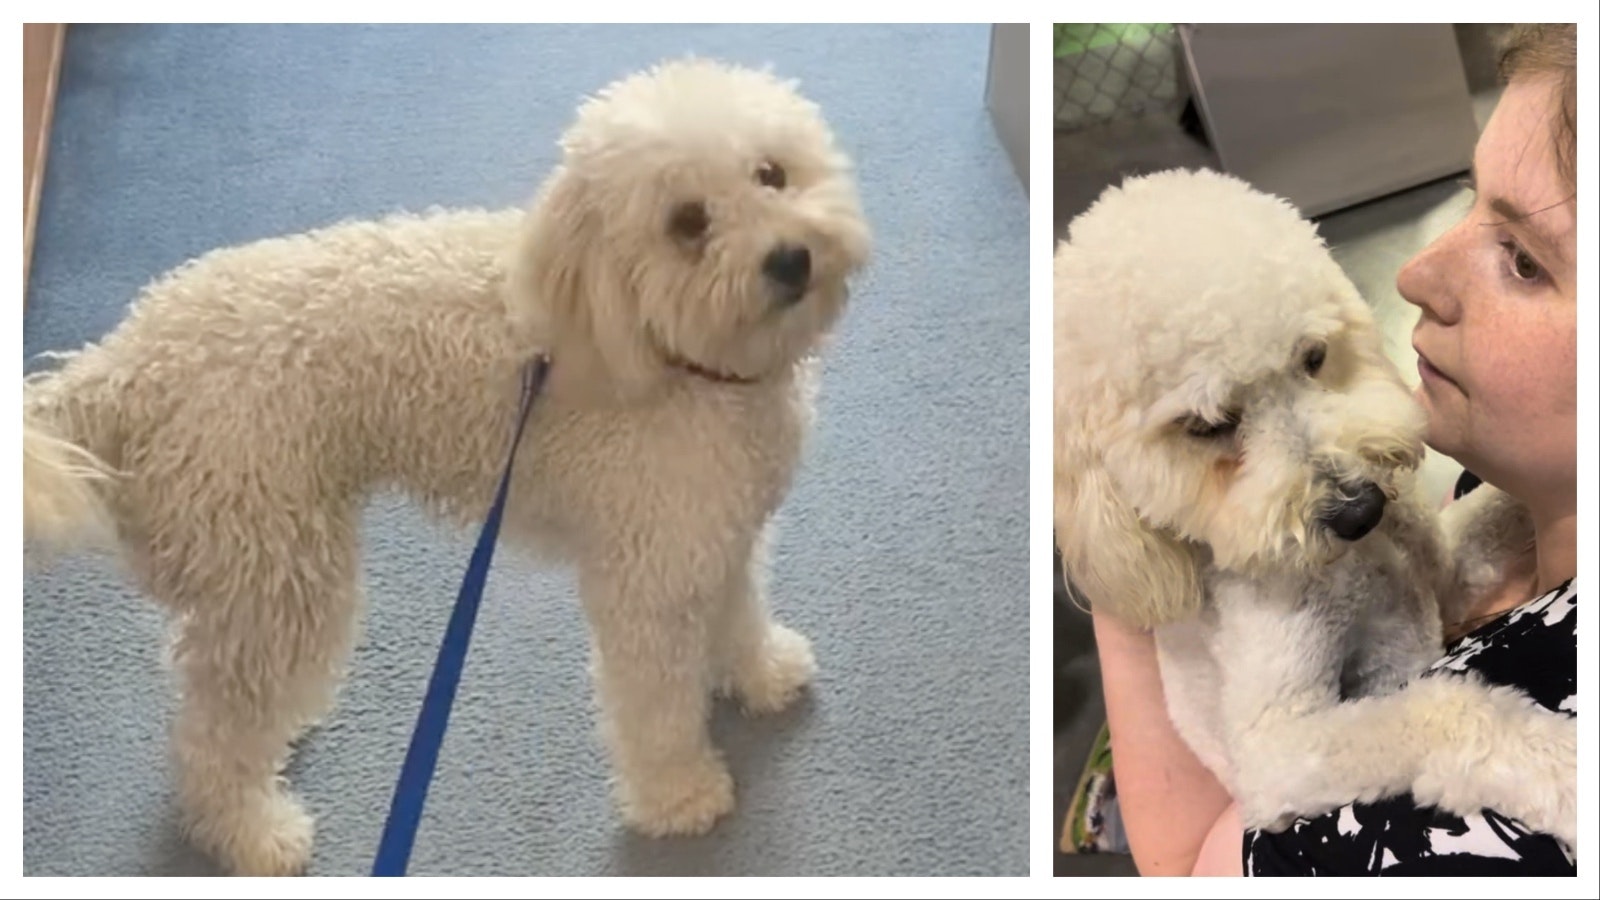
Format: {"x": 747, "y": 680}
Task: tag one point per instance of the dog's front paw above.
{"x": 1276, "y": 817}
{"x": 774, "y": 677}
{"x": 270, "y": 835}
{"x": 1560, "y": 819}
{"x": 1274, "y": 800}
{"x": 1528, "y": 772}
{"x": 683, "y": 801}
{"x": 1277, "y": 825}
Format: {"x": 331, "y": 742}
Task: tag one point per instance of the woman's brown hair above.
{"x": 1551, "y": 51}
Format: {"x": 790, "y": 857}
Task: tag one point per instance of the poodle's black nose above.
{"x": 789, "y": 265}
{"x": 1352, "y": 519}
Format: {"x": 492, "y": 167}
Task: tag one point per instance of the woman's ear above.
{"x": 1129, "y": 570}
{"x": 569, "y": 296}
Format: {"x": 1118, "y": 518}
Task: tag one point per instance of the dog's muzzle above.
{"x": 1359, "y": 510}
{"x": 788, "y": 267}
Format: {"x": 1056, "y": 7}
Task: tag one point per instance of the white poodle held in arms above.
{"x": 1234, "y": 468}
{"x": 682, "y": 268}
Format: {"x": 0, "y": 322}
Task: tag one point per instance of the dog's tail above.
{"x": 63, "y": 489}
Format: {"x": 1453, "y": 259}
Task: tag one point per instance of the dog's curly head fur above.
{"x": 702, "y": 215}
{"x": 1221, "y": 395}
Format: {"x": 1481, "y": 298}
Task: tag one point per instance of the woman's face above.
{"x": 1497, "y": 339}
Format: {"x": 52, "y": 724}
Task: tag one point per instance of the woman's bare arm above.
{"x": 1223, "y": 851}
{"x": 1169, "y": 801}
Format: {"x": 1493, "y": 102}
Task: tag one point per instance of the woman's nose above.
{"x": 1429, "y": 279}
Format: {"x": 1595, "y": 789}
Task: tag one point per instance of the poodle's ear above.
{"x": 568, "y": 294}
{"x": 1138, "y": 575}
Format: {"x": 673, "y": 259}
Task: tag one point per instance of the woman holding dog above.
{"x": 1497, "y": 343}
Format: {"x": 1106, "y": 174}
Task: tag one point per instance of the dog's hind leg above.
{"x": 650, "y": 613}
{"x": 264, "y": 630}
{"x": 762, "y": 663}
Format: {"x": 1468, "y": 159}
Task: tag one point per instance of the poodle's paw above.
{"x": 270, "y": 835}
{"x": 1531, "y": 778}
{"x": 680, "y": 802}
{"x": 1279, "y": 824}
{"x": 1277, "y": 817}
{"x": 1273, "y": 798}
{"x": 774, "y": 678}
{"x": 1551, "y": 813}
{"x": 1559, "y": 819}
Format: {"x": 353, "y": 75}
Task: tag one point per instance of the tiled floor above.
{"x": 1371, "y": 242}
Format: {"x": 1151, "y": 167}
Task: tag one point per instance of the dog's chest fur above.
{"x": 1362, "y": 624}
{"x": 705, "y": 460}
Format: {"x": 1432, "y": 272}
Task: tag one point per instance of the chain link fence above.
{"x": 1104, "y": 73}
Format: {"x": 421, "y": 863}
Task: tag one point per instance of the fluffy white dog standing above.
{"x": 682, "y": 267}
{"x": 1234, "y": 467}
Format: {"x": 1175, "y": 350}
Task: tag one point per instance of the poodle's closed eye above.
{"x": 1312, "y": 358}
{"x": 1198, "y": 426}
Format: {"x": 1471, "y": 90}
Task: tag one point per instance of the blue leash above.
{"x": 405, "y": 810}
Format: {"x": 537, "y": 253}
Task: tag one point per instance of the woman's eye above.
{"x": 1523, "y": 265}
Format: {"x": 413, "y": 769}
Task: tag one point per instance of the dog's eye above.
{"x": 770, "y": 174}
{"x": 689, "y": 220}
{"x": 1198, "y": 426}
{"x": 1314, "y": 358}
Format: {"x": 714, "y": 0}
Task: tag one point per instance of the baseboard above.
{"x": 41, "y": 67}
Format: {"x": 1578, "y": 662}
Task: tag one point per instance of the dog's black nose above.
{"x": 1357, "y": 515}
{"x": 790, "y": 266}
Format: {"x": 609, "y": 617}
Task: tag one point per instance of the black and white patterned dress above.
{"x": 1533, "y": 647}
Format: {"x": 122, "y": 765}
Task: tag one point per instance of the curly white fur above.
{"x": 254, "y": 398}
{"x": 62, "y": 505}
{"x": 1226, "y": 425}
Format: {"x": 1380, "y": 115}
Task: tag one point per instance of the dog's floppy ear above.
{"x": 1135, "y": 573}
{"x": 569, "y": 294}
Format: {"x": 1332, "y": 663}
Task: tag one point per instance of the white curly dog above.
{"x": 1235, "y": 468}
{"x": 682, "y": 267}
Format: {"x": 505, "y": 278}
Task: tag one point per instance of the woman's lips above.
{"x": 1429, "y": 373}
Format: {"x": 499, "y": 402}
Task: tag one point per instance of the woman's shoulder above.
{"x": 1533, "y": 647}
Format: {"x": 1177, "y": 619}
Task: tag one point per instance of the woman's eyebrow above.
{"x": 1525, "y": 222}
{"x": 1530, "y": 224}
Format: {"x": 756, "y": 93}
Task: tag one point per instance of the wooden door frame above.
{"x": 42, "y": 44}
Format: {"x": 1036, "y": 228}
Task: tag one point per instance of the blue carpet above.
{"x": 902, "y": 550}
